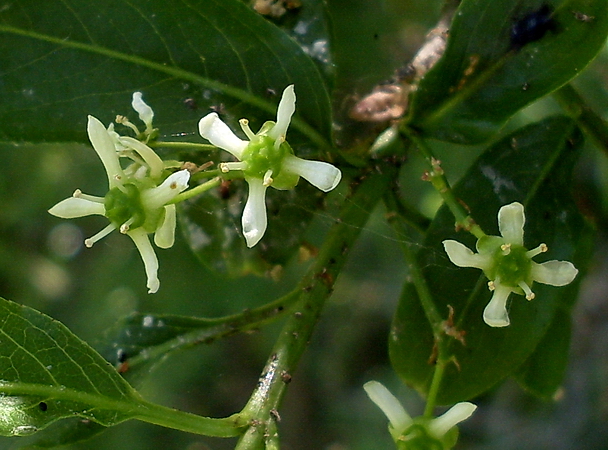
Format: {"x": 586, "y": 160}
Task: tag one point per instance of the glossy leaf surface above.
{"x": 502, "y": 56}
{"x": 62, "y": 61}
{"x": 532, "y": 166}
{"x": 47, "y": 373}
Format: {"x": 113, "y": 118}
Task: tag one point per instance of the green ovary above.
{"x": 121, "y": 206}
{"x": 513, "y": 268}
{"x": 262, "y": 156}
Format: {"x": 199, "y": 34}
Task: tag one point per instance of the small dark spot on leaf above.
{"x": 43, "y": 406}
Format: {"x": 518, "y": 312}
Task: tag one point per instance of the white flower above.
{"x": 419, "y": 431}
{"x": 508, "y": 264}
{"x": 266, "y": 160}
{"x": 137, "y": 201}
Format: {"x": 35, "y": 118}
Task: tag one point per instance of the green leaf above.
{"x": 486, "y": 74}
{"x": 532, "y": 166}
{"x": 63, "y": 60}
{"x": 139, "y": 341}
{"x": 47, "y": 374}
{"x": 543, "y": 372}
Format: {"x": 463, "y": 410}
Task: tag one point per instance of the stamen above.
{"x": 506, "y": 249}
{"x": 103, "y": 233}
{"x": 268, "y": 178}
{"x": 278, "y": 142}
{"x": 542, "y": 248}
{"x": 245, "y": 127}
{"x": 529, "y": 294}
{"x": 125, "y": 226}
{"x": 92, "y": 198}
{"x": 237, "y": 165}
{"x": 124, "y": 121}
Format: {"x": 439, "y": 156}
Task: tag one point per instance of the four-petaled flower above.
{"x": 508, "y": 264}
{"x": 420, "y": 432}
{"x": 137, "y": 202}
{"x": 266, "y": 160}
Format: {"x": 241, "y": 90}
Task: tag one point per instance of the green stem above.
{"x": 196, "y": 190}
{"x": 183, "y": 146}
{"x": 315, "y": 288}
{"x": 440, "y": 183}
{"x": 208, "y": 330}
{"x": 190, "y": 423}
{"x": 173, "y": 71}
{"x": 431, "y": 399}
{"x": 593, "y": 125}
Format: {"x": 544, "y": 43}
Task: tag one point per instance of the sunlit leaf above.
{"x": 532, "y": 166}
{"x": 501, "y": 56}
{"x": 48, "y": 373}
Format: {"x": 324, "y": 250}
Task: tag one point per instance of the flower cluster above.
{"x": 266, "y": 159}
{"x": 421, "y": 432}
{"x": 139, "y": 196}
{"x": 508, "y": 264}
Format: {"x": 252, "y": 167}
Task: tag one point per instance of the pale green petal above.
{"x": 142, "y": 242}
{"x": 212, "y": 128}
{"x": 145, "y": 112}
{"x": 73, "y": 207}
{"x": 390, "y": 406}
{"x": 254, "y": 215}
{"x": 452, "y": 417}
{"x": 462, "y": 256}
{"x": 320, "y": 174}
{"x": 159, "y": 196}
{"x": 511, "y": 219}
{"x": 495, "y": 313}
{"x": 164, "y": 237}
{"x": 152, "y": 160}
{"x": 104, "y": 146}
{"x": 287, "y": 107}
{"x": 554, "y": 273}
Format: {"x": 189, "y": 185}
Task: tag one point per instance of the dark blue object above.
{"x": 532, "y": 27}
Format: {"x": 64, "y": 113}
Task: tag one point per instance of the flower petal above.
{"x": 452, "y": 417}
{"x": 164, "y": 237}
{"x": 287, "y": 107}
{"x": 153, "y": 161}
{"x": 320, "y": 174}
{"x": 140, "y": 238}
{"x": 495, "y": 313}
{"x": 104, "y": 146}
{"x": 390, "y": 406}
{"x": 73, "y": 207}
{"x": 254, "y": 214}
{"x": 554, "y": 273}
{"x": 462, "y": 256}
{"x": 158, "y": 197}
{"x": 511, "y": 219}
{"x": 145, "y": 112}
{"x": 212, "y": 128}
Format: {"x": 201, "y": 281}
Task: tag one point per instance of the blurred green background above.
{"x": 43, "y": 264}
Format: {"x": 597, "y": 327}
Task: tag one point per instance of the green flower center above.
{"x": 124, "y": 205}
{"x": 512, "y": 265}
{"x": 262, "y": 156}
{"x": 417, "y": 437}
